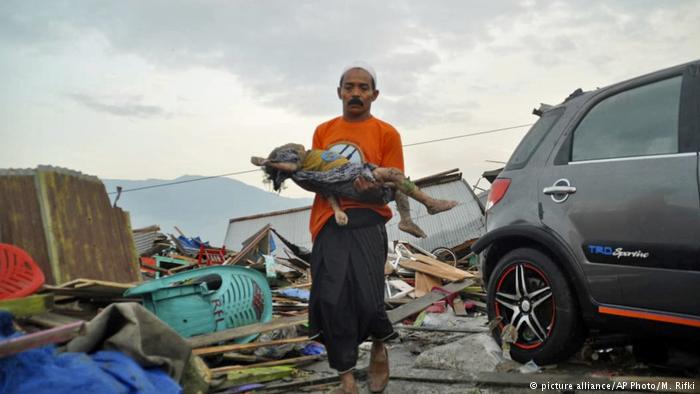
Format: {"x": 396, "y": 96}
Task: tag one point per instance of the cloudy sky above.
{"x": 160, "y": 89}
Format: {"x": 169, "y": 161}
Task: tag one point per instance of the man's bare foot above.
{"x": 408, "y": 226}
{"x": 437, "y": 206}
{"x": 378, "y": 370}
{"x": 348, "y": 385}
{"x": 341, "y": 218}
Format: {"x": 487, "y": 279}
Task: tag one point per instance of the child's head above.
{"x": 288, "y": 153}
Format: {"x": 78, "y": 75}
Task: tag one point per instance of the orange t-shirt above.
{"x": 368, "y": 141}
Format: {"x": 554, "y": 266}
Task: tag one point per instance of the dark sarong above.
{"x": 347, "y": 292}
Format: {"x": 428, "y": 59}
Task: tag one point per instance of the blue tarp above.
{"x": 44, "y": 370}
{"x": 295, "y": 293}
{"x": 192, "y": 243}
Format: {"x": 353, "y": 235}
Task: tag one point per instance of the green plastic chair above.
{"x": 208, "y": 299}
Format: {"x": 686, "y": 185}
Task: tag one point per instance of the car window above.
{"x": 533, "y": 138}
{"x": 638, "y": 122}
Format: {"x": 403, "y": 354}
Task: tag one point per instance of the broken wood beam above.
{"x": 207, "y": 351}
{"x": 52, "y": 320}
{"x": 458, "y": 306}
{"x": 438, "y": 266}
{"x": 285, "y": 387}
{"x": 259, "y": 375}
{"x": 243, "y": 331}
{"x": 439, "y": 329}
{"x": 417, "y": 305}
{"x": 425, "y": 283}
{"x": 30, "y": 341}
{"x": 288, "y": 361}
{"x": 28, "y": 306}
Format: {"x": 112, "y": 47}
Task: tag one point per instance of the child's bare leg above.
{"x": 283, "y": 166}
{"x": 406, "y": 224}
{"x": 340, "y": 217}
{"x": 410, "y": 189}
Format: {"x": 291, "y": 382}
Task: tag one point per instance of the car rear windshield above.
{"x": 533, "y": 138}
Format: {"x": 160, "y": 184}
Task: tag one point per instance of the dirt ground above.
{"x": 471, "y": 362}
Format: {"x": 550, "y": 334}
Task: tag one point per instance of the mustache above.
{"x": 355, "y": 101}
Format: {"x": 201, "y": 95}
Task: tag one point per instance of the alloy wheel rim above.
{"x": 525, "y": 300}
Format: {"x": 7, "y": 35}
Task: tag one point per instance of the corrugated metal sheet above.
{"x": 20, "y": 217}
{"x": 449, "y": 229}
{"x": 144, "y": 240}
{"x": 293, "y": 224}
{"x": 84, "y": 235}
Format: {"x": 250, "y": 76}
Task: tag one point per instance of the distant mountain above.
{"x": 201, "y": 208}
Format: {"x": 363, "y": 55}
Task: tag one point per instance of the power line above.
{"x": 255, "y": 170}
{"x": 185, "y": 181}
{"x": 468, "y": 135}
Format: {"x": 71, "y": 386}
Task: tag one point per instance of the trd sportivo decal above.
{"x": 617, "y": 252}
{"x": 643, "y": 255}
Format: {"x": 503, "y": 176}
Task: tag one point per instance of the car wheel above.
{"x": 528, "y": 294}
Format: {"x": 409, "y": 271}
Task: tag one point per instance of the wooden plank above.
{"x": 87, "y": 292}
{"x": 196, "y": 377}
{"x": 425, "y": 283}
{"x": 28, "y": 306}
{"x": 51, "y": 320}
{"x": 439, "y": 264}
{"x": 286, "y": 387}
{"x": 257, "y": 375}
{"x": 71, "y": 283}
{"x": 458, "y": 306}
{"x": 87, "y": 287}
{"x": 246, "y": 346}
{"x": 438, "y": 329}
{"x": 297, "y": 286}
{"x": 429, "y": 269}
{"x": 83, "y": 282}
{"x": 238, "y": 332}
{"x": 30, "y": 341}
{"x": 288, "y": 361}
{"x": 417, "y": 305}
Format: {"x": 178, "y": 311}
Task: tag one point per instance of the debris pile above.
{"x": 208, "y": 318}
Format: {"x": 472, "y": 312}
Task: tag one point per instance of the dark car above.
{"x": 594, "y": 222}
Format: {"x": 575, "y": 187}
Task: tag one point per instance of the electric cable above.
{"x": 255, "y": 170}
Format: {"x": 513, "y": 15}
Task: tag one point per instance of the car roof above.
{"x": 579, "y": 97}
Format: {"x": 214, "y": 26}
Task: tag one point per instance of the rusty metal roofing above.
{"x": 64, "y": 219}
{"x": 451, "y": 228}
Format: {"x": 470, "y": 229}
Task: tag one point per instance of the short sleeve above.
{"x": 392, "y": 150}
{"x": 316, "y": 142}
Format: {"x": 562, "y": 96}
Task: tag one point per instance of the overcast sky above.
{"x": 160, "y": 89}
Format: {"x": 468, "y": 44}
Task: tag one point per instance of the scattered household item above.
{"x": 19, "y": 274}
{"x": 208, "y": 299}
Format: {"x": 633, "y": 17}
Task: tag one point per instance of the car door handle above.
{"x": 549, "y": 190}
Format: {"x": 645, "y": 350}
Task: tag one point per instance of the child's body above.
{"x": 333, "y": 175}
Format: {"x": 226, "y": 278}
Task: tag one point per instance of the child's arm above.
{"x": 284, "y": 167}
{"x": 340, "y": 217}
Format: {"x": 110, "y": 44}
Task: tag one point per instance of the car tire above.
{"x": 530, "y": 292}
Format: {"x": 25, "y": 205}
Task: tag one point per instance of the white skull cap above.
{"x": 362, "y": 65}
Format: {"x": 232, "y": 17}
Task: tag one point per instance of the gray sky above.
{"x": 159, "y": 89}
